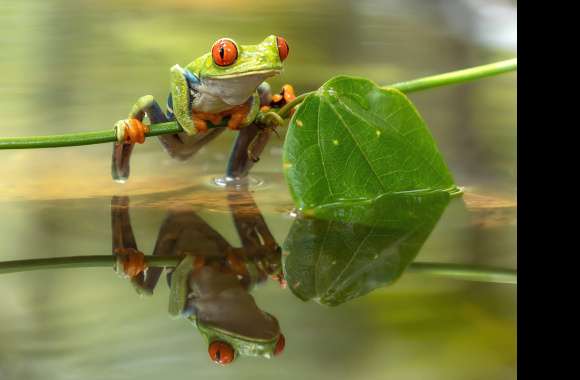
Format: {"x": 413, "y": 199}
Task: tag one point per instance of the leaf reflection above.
{"x": 350, "y": 249}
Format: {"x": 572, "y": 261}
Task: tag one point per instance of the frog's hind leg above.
{"x": 258, "y": 242}
{"x": 131, "y": 131}
{"x": 246, "y": 151}
{"x": 250, "y": 142}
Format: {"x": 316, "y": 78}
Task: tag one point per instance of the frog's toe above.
{"x": 200, "y": 125}
{"x": 284, "y": 97}
{"x": 131, "y": 131}
{"x": 236, "y": 121}
{"x": 288, "y": 93}
{"x": 280, "y": 279}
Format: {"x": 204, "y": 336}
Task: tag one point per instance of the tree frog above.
{"x": 223, "y": 85}
{"x": 210, "y": 287}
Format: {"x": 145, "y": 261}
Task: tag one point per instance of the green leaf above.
{"x": 350, "y": 250}
{"x": 353, "y": 140}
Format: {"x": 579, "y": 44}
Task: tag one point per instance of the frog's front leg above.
{"x": 184, "y": 86}
{"x": 131, "y": 131}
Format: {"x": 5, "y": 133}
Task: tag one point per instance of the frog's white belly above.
{"x": 206, "y": 102}
{"x": 217, "y": 95}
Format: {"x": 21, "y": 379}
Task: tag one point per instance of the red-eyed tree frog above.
{"x": 225, "y": 84}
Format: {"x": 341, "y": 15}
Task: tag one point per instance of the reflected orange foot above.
{"x": 236, "y": 264}
{"x": 131, "y": 260}
{"x": 280, "y": 279}
{"x": 198, "y": 263}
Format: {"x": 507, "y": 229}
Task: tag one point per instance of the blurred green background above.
{"x": 79, "y": 66}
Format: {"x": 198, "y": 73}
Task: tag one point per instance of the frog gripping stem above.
{"x": 132, "y": 131}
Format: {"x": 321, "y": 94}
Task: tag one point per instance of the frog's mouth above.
{"x": 266, "y": 73}
{"x": 235, "y": 89}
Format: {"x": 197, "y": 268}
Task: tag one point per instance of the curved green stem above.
{"x": 463, "y": 272}
{"x": 284, "y": 112}
{"x": 88, "y": 138}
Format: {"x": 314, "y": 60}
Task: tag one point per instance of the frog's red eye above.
{"x": 280, "y": 345}
{"x": 283, "y": 48}
{"x": 221, "y": 353}
{"x": 224, "y": 52}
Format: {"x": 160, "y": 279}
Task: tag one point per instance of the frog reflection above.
{"x": 210, "y": 286}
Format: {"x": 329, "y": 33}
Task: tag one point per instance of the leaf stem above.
{"x": 454, "y": 271}
{"x": 98, "y": 137}
{"x": 284, "y": 112}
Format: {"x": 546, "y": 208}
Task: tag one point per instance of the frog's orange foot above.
{"x": 131, "y": 131}
{"x": 284, "y": 97}
{"x": 200, "y": 120}
{"x": 200, "y": 125}
{"x": 215, "y": 119}
{"x": 236, "y": 119}
{"x": 288, "y": 93}
{"x": 130, "y": 262}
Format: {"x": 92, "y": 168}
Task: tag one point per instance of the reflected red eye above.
{"x": 280, "y": 345}
{"x": 224, "y": 52}
{"x": 221, "y": 353}
{"x": 283, "y": 48}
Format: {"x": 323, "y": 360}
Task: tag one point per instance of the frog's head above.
{"x": 225, "y": 345}
{"x": 234, "y": 71}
